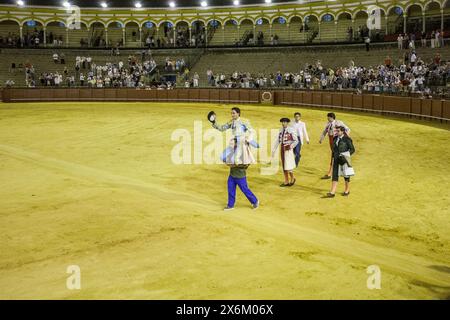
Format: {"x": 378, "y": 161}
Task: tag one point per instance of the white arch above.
{"x": 325, "y": 13}
{"x": 96, "y": 21}
{"x": 388, "y": 10}
{"x": 230, "y": 19}
{"x": 33, "y": 19}
{"x": 143, "y": 23}
{"x": 342, "y": 12}
{"x": 130, "y": 21}
{"x": 355, "y": 13}
{"x": 430, "y": 2}
{"x": 246, "y": 18}
{"x": 54, "y": 20}
{"x": 309, "y": 14}
{"x": 164, "y": 21}
{"x": 414, "y": 4}
{"x": 278, "y": 17}
{"x": 108, "y": 23}
{"x": 213, "y": 19}
{"x": 197, "y": 20}
{"x": 181, "y": 21}
{"x": 12, "y": 19}
{"x": 295, "y": 16}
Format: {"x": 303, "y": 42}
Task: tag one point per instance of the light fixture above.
{"x": 66, "y": 4}
{"x": 268, "y": 1}
{"x": 236, "y": 2}
{"x": 138, "y": 5}
{"x": 20, "y": 3}
{"x": 204, "y": 4}
{"x": 172, "y": 4}
{"x": 104, "y": 5}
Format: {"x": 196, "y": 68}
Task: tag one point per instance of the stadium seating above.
{"x": 226, "y": 60}
{"x": 271, "y": 60}
{"x": 42, "y": 60}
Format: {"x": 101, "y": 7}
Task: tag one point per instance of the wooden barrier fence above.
{"x": 433, "y": 109}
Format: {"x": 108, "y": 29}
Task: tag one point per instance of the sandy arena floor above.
{"x": 93, "y": 185}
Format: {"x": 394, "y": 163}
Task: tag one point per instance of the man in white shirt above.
{"x": 300, "y": 129}
{"x": 400, "y": 42}
{"x": 413, "y": 58}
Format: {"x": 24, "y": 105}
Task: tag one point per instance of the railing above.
{"x": 411, "y": 107}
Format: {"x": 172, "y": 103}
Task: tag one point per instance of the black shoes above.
{"x": 290, "y": 184}
{"x": 330, "y": 195}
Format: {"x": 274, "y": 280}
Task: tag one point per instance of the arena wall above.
{"x": 412, "y": 107}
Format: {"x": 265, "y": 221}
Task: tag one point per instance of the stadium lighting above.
{"x": 236, "y": 2}
{"x": 104, "y": 5}
{"x": 20, "y": 3}
{"x": 268, "y": 1}
{"x": 204, "y": 4}
{"x": 138, "y": 5}
{"x": 66, "y": 4}
{"x": 172, "y": 4}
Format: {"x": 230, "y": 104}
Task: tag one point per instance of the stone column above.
{"x": 335, "y": 30}
{"x": 45, "y": 36}
{"x": 404, "y": 22}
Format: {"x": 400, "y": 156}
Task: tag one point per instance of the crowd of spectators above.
{"x": 412, "y": 74}
{"x": 86, "y": 73}
{"x": 31, "y": 39}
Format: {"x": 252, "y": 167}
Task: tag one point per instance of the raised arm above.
{"x": 224, "y": 127}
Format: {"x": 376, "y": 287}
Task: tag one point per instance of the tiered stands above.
{"x": 42, "y": 61}
{"x": 271, "y": 60}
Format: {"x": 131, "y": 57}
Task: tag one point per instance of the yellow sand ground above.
{"x": 93, "y": 185}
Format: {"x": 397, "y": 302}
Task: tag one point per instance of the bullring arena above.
{"x": 89, "y": 177}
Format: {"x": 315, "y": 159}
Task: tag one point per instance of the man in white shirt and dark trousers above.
{"x": 302, "y": 134}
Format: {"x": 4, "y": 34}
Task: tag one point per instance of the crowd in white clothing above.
{"x": 411, "y": 75}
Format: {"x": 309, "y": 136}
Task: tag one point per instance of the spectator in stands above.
{"x": 12, "y": 69}
{"x": 55, "y": 58}
{"x": 9, "y": 83}
{"x": 437, "y": 36}
{"x": 433, "y": 39}
{"x": 367, "y": 42}
{"x": 400, "y": 41}
{"x": 350, "y": 34}
{"x": 423, "y": 39}
{"x": 196, "y": 80}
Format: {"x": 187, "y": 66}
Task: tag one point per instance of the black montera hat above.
{"x": 212, "y": 116}
{"x": 285, "y": 120}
